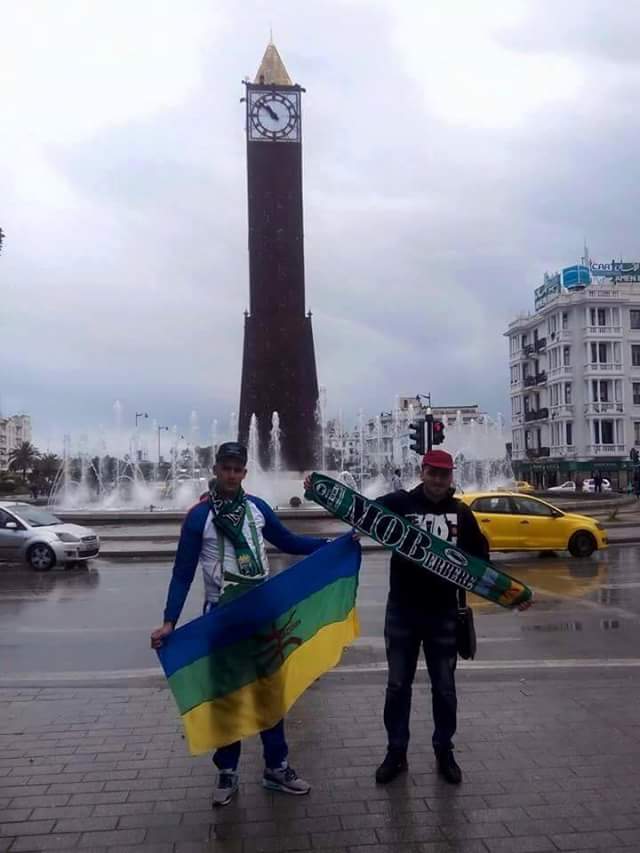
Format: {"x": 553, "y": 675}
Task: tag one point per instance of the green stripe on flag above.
{"x": 233, "y": 667}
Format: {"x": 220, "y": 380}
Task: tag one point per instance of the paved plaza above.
{"x": 92, "y": 756}
{"x": 551, "y": 762}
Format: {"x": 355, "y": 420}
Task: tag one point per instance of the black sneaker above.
{"x": 226, "y": 788}
{"x": 448, "y": 768}
{"x": 393, "y": 765}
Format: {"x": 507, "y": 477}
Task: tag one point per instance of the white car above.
{"x": 569, "y": 486}
{"x": 34, "y": 534}
{"x": 589, "y": 485}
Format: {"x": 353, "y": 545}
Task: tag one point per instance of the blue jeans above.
{"x": 406, "y": 630}
{"x": 274, "y": 747}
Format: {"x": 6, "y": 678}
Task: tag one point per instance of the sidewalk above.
{"x": 551, "y": 762}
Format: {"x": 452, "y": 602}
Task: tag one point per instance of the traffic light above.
{"x": 438, "y": 432}
{"x": 416, "y": 437}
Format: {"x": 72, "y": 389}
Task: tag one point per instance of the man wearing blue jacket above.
{"x": 225, "y": 534}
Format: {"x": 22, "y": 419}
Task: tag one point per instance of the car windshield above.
{"x": 33, "y": 515}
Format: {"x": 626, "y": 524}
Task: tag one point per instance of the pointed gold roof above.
{"x": 272, "y": 70}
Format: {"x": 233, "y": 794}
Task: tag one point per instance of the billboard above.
{"x": 617, "y": 269}
{"x": 547, "y": 291}
{"x": 576, "y": 276}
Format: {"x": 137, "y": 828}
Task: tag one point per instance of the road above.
{"x": 92, "y": 624}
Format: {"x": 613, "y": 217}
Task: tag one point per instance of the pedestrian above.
{"x": 225, "y": 535}
{"x": 597, "y": 482}
{"x": 421, "y": 613}
{"x": 396, "y": 481}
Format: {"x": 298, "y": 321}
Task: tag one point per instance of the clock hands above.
{"x": 274, "y": 115}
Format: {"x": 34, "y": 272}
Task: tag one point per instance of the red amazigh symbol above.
{"x": 277, "y": 641}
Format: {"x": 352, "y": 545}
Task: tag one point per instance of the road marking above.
{"x": 44, "y": 678}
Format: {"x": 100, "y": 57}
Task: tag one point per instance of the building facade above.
{"x": 575, "y": 383}
{"x": 13, "y": 431}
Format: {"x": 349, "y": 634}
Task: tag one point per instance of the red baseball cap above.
{"x": 438, "y": 459}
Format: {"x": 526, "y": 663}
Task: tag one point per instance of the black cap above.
{"x": 232, "y": 450}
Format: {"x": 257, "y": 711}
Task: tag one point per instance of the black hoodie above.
{"x": 448, "y": 519}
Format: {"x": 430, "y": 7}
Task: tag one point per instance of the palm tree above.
{"x": 23, "y": 458}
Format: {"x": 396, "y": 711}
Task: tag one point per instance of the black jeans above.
{"x": 406, "y": 630}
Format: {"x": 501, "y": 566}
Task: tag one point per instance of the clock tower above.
{"x": 279, "y": 368}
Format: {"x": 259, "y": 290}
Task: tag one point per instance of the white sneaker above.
{"x": 285, "y": 779}
{"x": 226, "y": 787}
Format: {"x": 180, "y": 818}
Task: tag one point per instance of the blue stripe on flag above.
{"x": 239, "y": 619}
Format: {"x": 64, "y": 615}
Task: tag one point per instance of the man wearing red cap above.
{"x": 421, "y": 612}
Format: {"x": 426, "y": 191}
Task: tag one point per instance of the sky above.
{"x": 453, "y": 152}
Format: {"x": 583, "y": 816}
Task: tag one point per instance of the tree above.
{"x": 23, "y": 458}
{"x": 46, "y": 468}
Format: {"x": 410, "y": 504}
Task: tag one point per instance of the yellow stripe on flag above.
{"x": 261, "y": 704}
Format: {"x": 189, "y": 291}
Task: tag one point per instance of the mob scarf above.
{"x": 228, "y": 516}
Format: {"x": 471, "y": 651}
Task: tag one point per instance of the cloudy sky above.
{"x": 454, "y": 151}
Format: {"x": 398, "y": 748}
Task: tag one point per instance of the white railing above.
{"x": 603, "y": 367}
{"x": 562, "y": 450}
{"x": 518, "y": 454}
{"x": 605, "y": 449}
{"x": 564, "y": 410}
{"x": 604, "y": 331}
{"x": 602, "y": 408}
{"x": 558, "y": 337}
{"x": 563, "y": 370}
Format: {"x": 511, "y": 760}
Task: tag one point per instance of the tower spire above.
{"x": 272, "y": 70}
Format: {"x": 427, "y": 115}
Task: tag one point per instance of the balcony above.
{"x": 606, "y": 449}
{"x": 560, "y": 337}
{"x": 603, "y": 408}
{"x": 540, "y": 344}
{"x": 602, "y": 331}
{"x": 528, "y": 349}
{"x": 537, "y": 415}
{"x": 559, "y": 372}
{"x": 528, "y": 381}
{"x": 541, "y": 377}
{"x": 603, "y": 367}
{"x": 538, "y": 452}
{"x": 562, "y": 450}
{"x": 564, "y": 410}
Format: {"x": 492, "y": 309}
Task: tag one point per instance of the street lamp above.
{"x": 160, "y": 428}
{"x": 140, "y": 415}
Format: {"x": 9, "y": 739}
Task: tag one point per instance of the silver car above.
{"x": 34, "y": 534}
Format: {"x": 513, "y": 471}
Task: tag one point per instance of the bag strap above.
{"x": 462, "y": 598}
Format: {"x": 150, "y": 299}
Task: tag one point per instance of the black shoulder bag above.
{"x": 465, "y": 629}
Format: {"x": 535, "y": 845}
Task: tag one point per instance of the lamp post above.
{"x": 140, "y": 415}
{"x": 160, "y": 428}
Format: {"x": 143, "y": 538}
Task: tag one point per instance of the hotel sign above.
{"x": 626, "y": 270}
{"x": 547, "y": 291}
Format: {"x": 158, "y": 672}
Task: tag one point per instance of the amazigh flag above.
{"x": 237, "y": 670}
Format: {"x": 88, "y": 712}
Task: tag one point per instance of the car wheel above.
{"x": 582, "y": 544}
{"x": 41, "y": 557}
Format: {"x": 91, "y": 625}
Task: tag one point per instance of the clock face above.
{"x": 274, "y": 116}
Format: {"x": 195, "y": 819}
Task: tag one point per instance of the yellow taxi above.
{"x": 514, "y": 522}
{"x": 523, "y": 487}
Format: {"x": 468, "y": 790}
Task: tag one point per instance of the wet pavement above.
{"x": 75, "y": 623}
{"x": 92, "y": 756}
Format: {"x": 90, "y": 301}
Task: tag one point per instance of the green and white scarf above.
{"x": 228, "y": 515}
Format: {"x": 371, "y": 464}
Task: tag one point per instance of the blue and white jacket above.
{"x": 200, "y": 544}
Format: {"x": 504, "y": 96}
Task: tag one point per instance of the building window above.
{"x": 636, "y": 432}
{"x": 634, "y": 314}
{"x": 635, "y": 387}
{"x": 607, "y": 432}
{"x": 569, "y": 428}
{"x": 566, "y": 356}
{"x": 635, "y": 355}
{"x": 567, "y": 393}
{"x": 565, "y": 320}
